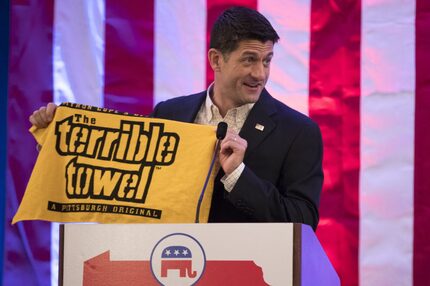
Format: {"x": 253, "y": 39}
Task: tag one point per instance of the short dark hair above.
{"x": 240, "y": 23}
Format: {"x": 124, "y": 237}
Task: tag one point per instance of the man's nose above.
{"x": 258, "y": 71}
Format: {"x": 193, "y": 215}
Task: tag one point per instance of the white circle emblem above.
{"x": 178, "y": 259}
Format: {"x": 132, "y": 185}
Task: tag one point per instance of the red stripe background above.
{"x": 422, "y": 145}
{"x": 27, "y": 244}
{"x": 129, "y": 56}
{"x": 334, "y": 102}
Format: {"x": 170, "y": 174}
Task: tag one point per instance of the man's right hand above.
{"x": 43, "y": 116}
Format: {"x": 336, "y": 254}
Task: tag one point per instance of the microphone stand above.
{"x": 220, "y": 134}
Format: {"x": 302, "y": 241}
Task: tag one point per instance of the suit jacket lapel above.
{"x": 260, "y": 114}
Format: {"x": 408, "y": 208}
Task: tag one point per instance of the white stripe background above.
{"x": 387, "y": 142}
{"x": 180, "y": 48}
{"x": 387, "y": 99}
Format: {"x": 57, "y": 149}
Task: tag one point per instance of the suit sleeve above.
{"x": 295, "y": 197}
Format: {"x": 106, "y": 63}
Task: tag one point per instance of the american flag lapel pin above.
{"x": 259, "y": 127}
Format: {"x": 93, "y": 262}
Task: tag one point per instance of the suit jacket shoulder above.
{"x": 270, "y": 118}
{"x": 183, "y": 108}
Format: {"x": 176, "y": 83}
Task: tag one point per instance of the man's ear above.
{"x": 215, "y": 58}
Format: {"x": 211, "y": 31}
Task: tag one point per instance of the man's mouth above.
{"x": 252, "y": 85}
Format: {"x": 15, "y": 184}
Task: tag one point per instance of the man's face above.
{"x": 244, "y": 72}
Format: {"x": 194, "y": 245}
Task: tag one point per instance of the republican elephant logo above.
{"x": 177, "y": 258}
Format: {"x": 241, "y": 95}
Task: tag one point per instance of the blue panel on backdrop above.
{"x": 4, "y": 55}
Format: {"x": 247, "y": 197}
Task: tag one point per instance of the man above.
{"x": 271, "y": 158}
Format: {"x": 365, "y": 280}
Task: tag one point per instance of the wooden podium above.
{"x": 192, "y": 254}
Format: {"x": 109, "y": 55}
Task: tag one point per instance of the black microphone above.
{"x": 221, "y": 131}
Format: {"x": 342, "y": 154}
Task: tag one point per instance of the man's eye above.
{"x": 267, "y": 62}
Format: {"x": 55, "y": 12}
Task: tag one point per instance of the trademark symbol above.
{"x": 157, "y": 168}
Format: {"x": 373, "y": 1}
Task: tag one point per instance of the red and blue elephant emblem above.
{"x": 177, "y": 258}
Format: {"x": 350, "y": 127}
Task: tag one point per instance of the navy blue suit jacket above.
{"x": 283, "y": 176}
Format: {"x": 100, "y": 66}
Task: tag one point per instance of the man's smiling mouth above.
{"x": 252, "y": 85}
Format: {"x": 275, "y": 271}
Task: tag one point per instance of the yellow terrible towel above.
{"x": 99, "y": 165}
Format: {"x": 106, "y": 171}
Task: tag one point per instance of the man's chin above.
{"x": 252, "y": 97}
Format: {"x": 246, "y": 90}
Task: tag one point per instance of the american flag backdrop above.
{"x": 360, "y": 68}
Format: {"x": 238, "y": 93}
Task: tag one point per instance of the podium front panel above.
{"x": 176, "y": 254}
